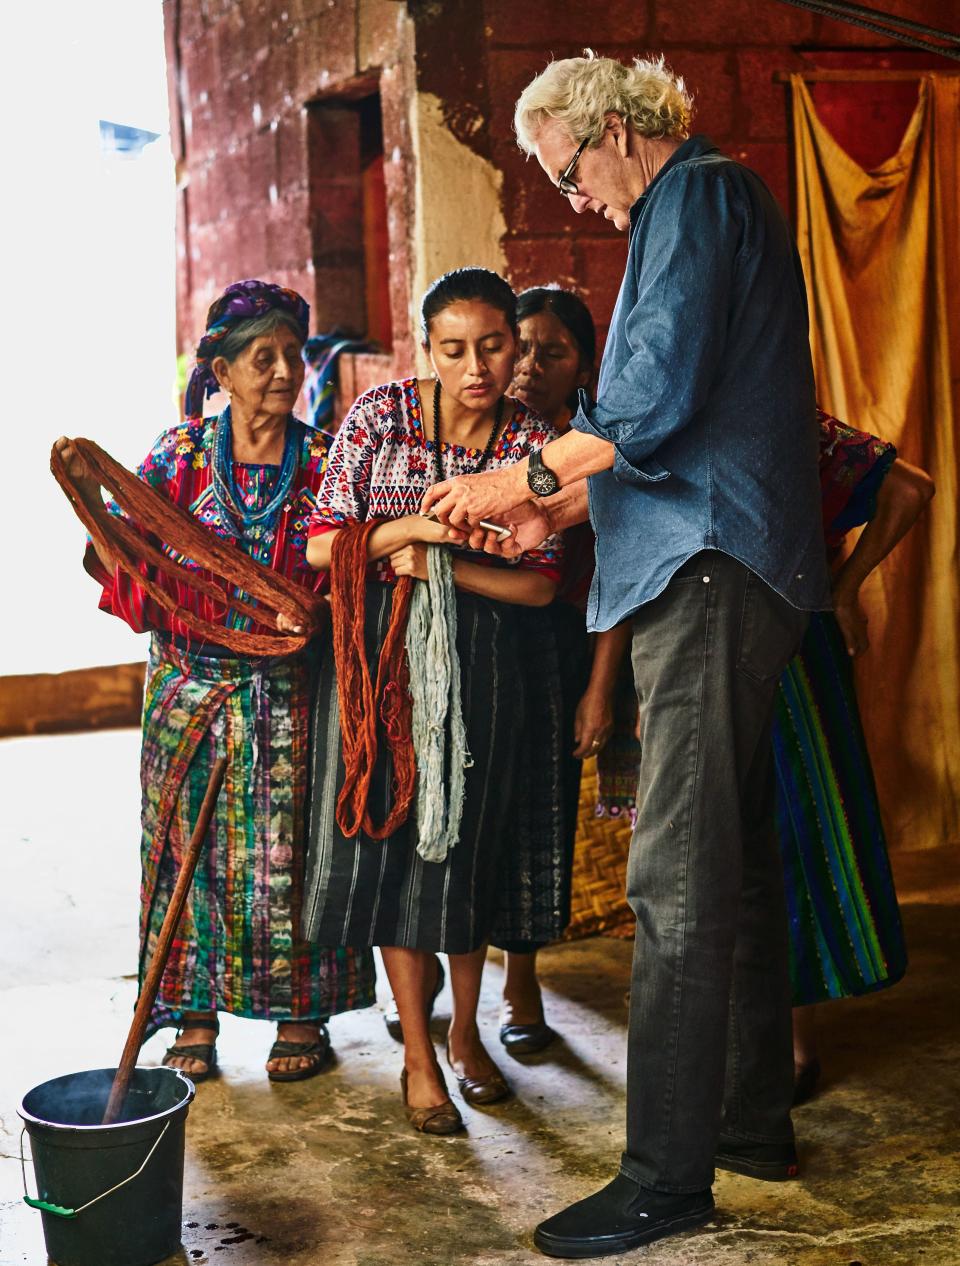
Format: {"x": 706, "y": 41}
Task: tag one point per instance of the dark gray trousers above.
{"x": 710, "y": 1039}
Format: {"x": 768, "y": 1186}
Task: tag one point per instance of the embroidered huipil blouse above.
{"x": 853, "y": 465}
{"x": 382, "y": 463}
{"x": 180, "y": 467}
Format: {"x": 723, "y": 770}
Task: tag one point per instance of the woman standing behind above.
{"x": 555, "y": 358}
{"x": 250, "y": 477}
{"x": 396, "y": 441}
{"x": 846, "y": 935}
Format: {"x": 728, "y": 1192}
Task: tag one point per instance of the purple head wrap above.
{"x": 239, "y": 302}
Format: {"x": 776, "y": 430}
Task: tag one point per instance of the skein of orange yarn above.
{"x": 361, "y": 700}
{"x": 152, "y": 515}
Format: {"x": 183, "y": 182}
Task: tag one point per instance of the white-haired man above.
{"x": 699, "y": 461}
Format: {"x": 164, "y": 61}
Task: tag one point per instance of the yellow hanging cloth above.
{"x": 881, "y": 254}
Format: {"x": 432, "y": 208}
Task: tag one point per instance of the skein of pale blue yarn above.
{"x": 437, "y": 706}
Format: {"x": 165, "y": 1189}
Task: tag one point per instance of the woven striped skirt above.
{"x": 363, "y": 892}
{"x": 534, "y": 903}
{"x": 238, "y": 948}
{"x": 845, "y": 932}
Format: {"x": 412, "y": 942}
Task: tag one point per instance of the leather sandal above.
{"x": 481, "y": 1090}
{"x": 318, "y": 1050}
{"x": 442, "y": 1118}
{"x": 391, "y": 1016}
{"x": 205, "y": 1052}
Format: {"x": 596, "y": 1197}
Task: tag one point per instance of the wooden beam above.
{"x": 59, "y": 703}
{"x": 859, "y": 76}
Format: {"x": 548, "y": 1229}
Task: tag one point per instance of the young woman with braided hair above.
{"x": 397, "y": 893}
{"x": 555, "y": 360}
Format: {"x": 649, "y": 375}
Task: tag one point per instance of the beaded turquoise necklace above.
{"x": 246, "y": 524}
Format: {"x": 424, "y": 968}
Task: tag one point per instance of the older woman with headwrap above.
{"x": 250, "y": 476}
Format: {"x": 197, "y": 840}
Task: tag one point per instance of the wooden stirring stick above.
{"x": 171, "y": 921}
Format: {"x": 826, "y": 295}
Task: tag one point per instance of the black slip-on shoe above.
{"x": 771, "y": 1162}
{"x": 806, "y": 1078}
{"x": 391, "y": 1016}
{"x": 526, "y": 1039}
{"x": 619, "y": 1217}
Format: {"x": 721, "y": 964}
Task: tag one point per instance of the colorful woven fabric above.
{"x": 241, "y": 301}
{"x": 381, "y": 463}
{"x": 845, "y": 932}
{"x": 180, "y": 466}
{"x": 853, "y": 465}
{"x": 320, "y": 354}
{"x": 238, "y": 948}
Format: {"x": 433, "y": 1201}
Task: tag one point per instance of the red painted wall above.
{"x": 264, "y": 189}
{"x": 728, "y": 52}
{"x": 242, "y": 71}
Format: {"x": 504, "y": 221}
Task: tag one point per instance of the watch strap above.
{"x": 540, "y": 478}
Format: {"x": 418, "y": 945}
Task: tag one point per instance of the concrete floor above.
{"x": 327, "y": 1173}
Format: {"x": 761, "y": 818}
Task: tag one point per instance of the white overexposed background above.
{"x": 87, "y": 301}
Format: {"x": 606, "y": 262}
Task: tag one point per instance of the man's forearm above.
{"x": 464, "y": 500}
{"x": 567, "y": 507}
{"x": 574, "y": 456}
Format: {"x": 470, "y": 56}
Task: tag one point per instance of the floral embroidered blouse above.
{"x": 382, "y": 463}
{"x": 180, "y": 467}
{"x": 853, "y": 465}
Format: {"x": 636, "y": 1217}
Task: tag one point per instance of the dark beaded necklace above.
{"x": 490, "y": 445}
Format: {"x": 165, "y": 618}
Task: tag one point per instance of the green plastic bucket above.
{"x": 109, "y": 1195}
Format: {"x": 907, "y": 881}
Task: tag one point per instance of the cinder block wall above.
{"x": 728, "y": 52}
{"x": 242, "y": 72}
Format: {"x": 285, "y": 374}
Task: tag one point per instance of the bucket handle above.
{"x": 47, "y": 1207}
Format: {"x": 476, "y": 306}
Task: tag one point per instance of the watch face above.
{"x": 543, "y": 482}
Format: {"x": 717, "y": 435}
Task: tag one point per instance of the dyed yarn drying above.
{"x": 151, "y": 514}
{"x": 361, "y": 700}
{"x": 435, "y": 689}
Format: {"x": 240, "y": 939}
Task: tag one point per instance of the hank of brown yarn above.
{"x": 361, "y": 699}
{"x": 151, "y": 513}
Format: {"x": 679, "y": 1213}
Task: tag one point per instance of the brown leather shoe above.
{"x": 481, "y": 1090}
{"x": 442, "y": 1118}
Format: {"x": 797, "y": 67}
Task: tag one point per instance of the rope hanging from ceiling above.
{"x": 885, "y": 24}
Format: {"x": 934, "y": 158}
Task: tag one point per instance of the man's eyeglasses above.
{"x": 564, "y": 183}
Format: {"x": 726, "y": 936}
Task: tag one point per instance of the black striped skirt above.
{"x": 361, "y": 892}
{"x": 534, "y": 905}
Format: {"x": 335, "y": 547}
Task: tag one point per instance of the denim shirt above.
{"x": 706, "y": 391}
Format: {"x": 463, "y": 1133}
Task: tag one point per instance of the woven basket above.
{"x": 598, "y": 904}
